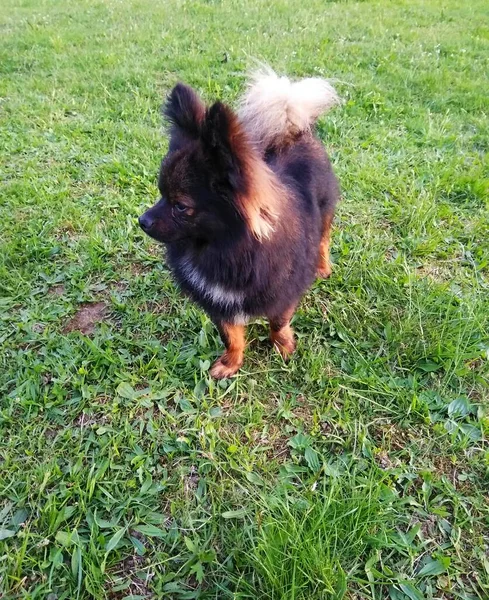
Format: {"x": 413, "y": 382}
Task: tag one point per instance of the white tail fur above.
{"x": 275, "y": 109}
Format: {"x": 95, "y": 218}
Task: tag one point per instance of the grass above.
{"x": 358, "y": 470}
{"x": 310, "y": 547}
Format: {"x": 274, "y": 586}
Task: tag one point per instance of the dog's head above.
{"x": 212, "y": 183}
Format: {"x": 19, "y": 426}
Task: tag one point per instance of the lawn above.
{"x": 360, "y": 469}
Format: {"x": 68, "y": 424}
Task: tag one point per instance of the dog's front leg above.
{"x": 281, "y": 333}
{"x": 229, "y": 363}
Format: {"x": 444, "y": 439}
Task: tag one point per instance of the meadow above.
{"x": 360, "y": 469}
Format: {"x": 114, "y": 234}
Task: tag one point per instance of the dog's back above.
{"x": 278, "y": 116}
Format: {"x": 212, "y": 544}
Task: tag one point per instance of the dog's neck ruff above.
{"x": 217, "y": 295}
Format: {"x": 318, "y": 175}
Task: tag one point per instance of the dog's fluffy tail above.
{"x": 275, "y": 110}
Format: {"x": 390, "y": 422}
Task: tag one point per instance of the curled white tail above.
{"x": 275, "y": 109}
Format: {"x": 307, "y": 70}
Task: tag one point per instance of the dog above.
{"x": 247, "y": 203}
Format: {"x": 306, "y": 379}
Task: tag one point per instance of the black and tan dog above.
{"x": 247, "y": 201}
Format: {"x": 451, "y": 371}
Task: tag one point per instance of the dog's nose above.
{"x": 145, "y": 222}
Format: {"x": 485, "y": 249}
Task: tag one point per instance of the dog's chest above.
{"x": 218, "y": 295}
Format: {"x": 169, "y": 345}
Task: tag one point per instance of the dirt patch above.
{"x": 57, "y": 290}
{"x": 383, "y": 460}
{"x": 119, "y": 286}
{"x": 137, "y": 268}
{"x": 439, "y": 273}
{"x": 457, "y": 472}
{"x": 274, "y": 443}
{"x": 50, "y": 433}
{"x": 87, "y": 318}
{"x": 391, "y": 436}
{"x": 191, "y": 481}
{"x": 131, "y": 572}
{"x": 156, "y": 307}
{"x": 87, "y": 420}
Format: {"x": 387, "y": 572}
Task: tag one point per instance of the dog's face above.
{"x": 191, "y": 204}
{"x": 199, "y": 176}
{"x": 213, "y": 187}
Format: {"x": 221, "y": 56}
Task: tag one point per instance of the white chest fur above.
{"x": 215, "y": 293}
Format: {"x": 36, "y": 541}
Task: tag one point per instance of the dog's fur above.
{"x": 247, "y": 202}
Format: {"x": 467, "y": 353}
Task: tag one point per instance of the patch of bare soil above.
{"x": 137, "y": 268}
{"x": 274, "y": 442}
{"x": 131, "y": 571}
{"x": 57, "y": 290}
{"x": 154, "y": 307}
{"x": 440, "y": 273}
{"x": 120, "y": 286}
{"x": 191, "y": 481}
{"x": 383, "y": 460}
{"x": 86, "y": 420}
{"x": 392, "y": 436}
{"x": 87, "y": 318}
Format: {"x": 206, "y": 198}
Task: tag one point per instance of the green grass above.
{"x": 309, "y": 547}
{"x": 358, "y": 470}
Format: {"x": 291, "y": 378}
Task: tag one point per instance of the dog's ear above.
{"x": 225, "y": 145}
{"x": 185, "y": 111}
{"x": 235, "y": 165}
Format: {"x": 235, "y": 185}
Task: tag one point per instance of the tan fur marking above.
{"x": 282, "y": 334}
{"x": 261, "y": 205}
{"x": 324, "y": 266}
{"x": 232, "y": 359}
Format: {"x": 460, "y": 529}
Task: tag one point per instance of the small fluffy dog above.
{"x": 247, "y": 202}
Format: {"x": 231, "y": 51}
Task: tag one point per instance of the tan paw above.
{"x": 324, "y": 271}
{"x": 285, "y": 347}
{"x": 225, "y": 367}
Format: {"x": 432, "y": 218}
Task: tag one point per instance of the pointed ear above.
{"x": 185, "y": 111}
{"x": 225, "y": 144}
{"x": 256, "y": 191}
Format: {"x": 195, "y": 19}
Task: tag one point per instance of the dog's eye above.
{"x": 179, "y": 207}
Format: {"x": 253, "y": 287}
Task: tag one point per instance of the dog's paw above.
{"x": 286, "y": 347}
{"x": 324, "y": 271}
{"x": 225, "y": 367}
